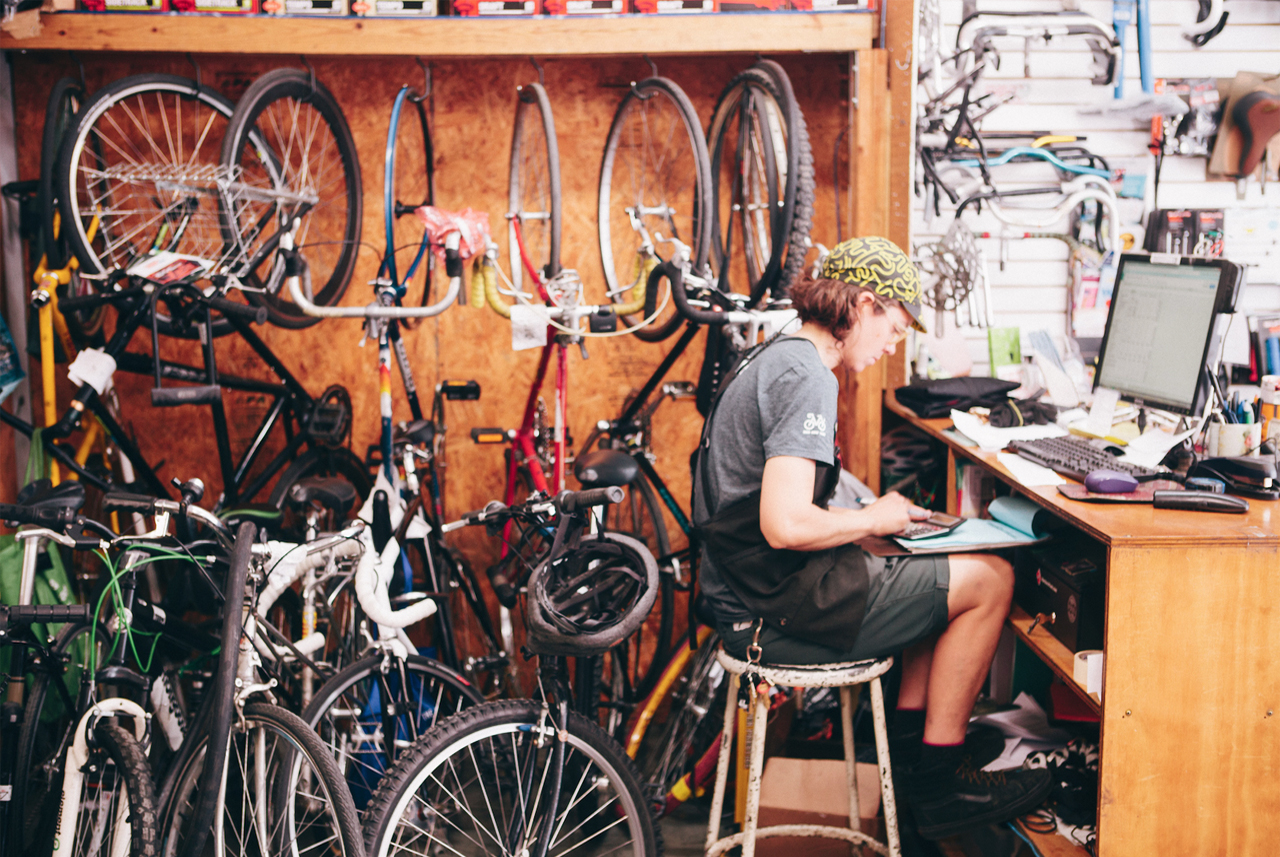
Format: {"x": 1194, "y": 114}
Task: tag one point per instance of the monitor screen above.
{"x": 1158, "y": 333}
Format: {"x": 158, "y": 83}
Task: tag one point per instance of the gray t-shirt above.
{"x": 782, "y": 403}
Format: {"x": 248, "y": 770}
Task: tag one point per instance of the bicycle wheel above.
{"x": 761, "y": 165}
{"x": 694, "y": 722}
{"x": 50, "y": 713}
{"x": 59, "y": 114}
{"x": 635, "y": 664}
{"x": 282, "y": 794}
{"x": 116, "y": 788}
{"x": 474, "y": 785}
{"x": 408, "y": 183}
{"x": 533, "y": 197}
{"x": 655, "y": 184}
{"x": 138, "y": 169}
{"x": 357, "y": 709}
{"x": 321, "y": 461}
{"x": 305, "y": 169}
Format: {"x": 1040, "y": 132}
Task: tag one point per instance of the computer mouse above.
{"x": 1110, "y": 482}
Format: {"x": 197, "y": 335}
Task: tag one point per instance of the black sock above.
{"x": 906, "y": 721}
{"x": 940, "y": 758}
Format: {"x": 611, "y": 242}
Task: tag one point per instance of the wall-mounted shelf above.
{"x": 775, "y": 32}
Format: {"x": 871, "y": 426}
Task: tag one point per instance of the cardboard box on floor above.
{"x": 813, "y": 791}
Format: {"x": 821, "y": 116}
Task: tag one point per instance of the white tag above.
{"x": 94, "y": 367}
{"x": 528, "y": 326}
{"x": 418, "y": 527}
{"x": 1102, "y": 412}
{"x": 6, "y": 794}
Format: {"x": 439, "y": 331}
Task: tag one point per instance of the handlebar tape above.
{"x": 452, "y": 262}
{"x": 119, "y": 501}
{"x": 572, "y": 501}
{"x": 28, "y": 613}
{"x": 256, "y": 314}
{"x": 678, "y": 294}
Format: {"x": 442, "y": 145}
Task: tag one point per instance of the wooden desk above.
{"x": 1191, "y": 701}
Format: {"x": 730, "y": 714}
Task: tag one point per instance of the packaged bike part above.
{"x": 584, "y": 7}
{"x": 753, "y": 5}
{"x": 395, "y": 8}
{"x": 1193, "y": 132}
{"x": 327, "y": 8}
{"x": 472, "y": 226}
{"x": 673, "y": 7}
{"x": 222, "y": 7}
{"x": 833, "y": 5}
{"x": 497, "y": 8}
{"x": 124, "y": 5}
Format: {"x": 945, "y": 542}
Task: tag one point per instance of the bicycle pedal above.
{"x": 489, "y": 435}
{"x": 489, "y": 663}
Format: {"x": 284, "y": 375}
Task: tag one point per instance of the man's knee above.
{"x": 981, "y": 580}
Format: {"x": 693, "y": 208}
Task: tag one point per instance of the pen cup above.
{"x": 1231, "y": 439}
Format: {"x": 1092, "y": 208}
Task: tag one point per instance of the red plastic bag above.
{"x": 472, "y": 227}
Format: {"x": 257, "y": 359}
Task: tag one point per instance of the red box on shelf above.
{"x": 497, "y": 8}
{"x": 833, "y": 5}
{"x": 124, "y": 5}
{"x": 584, "y": 7}
{"x": 223, "y": 7}
{"x": 328, "y": 8}
{"x": 674, "y": 7}
{"x": 753, "y": 5}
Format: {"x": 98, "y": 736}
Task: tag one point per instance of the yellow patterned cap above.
{"x": 881, "y": 266}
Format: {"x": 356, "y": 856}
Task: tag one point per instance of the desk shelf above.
{"x": 774, "y": 32}
{"x": 1058, "y": 657}
{"x": 1053, "y": 844}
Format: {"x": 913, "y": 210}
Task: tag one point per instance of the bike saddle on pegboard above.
{"x": 1257, "y": 115}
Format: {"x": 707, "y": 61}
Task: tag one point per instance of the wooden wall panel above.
{"x": 474, "y": 109}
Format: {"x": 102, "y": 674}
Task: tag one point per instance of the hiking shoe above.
{"x": 971, "y": 796}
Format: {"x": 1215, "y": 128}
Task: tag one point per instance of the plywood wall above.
{"x": 473, "y": 115}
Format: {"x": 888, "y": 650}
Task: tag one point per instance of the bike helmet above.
{"x": 591, "y": 597}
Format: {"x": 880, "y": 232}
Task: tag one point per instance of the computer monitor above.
{"x": 1161, "y": 328}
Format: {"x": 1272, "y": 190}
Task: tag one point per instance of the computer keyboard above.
{"x": 1074, "y": 457}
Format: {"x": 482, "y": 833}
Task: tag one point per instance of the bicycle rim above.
{"x": 408, "y": 183}
{"x": 351, "y": 714}
{"x": 475, "y": 785}
{"x": 305, "y": 168}
{"x": 655, "y": 170}
{"x": 533, "y": 198}
{"x": 142, "y": 159}
{"x": 282, "y": 794}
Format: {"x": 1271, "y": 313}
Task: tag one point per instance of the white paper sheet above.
{"x": 991, "y": 439}
{"x": 1028, "y": 472}
{"x": 528, "y": 326}
{"x": 1149, "y": 449}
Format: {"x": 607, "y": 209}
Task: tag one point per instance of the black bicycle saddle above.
{"x": 332, "y": 492}
{"x": 605, "y": 467}
{"x": 418, "y": 431}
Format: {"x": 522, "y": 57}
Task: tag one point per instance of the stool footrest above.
{"x": 822, "y": 831}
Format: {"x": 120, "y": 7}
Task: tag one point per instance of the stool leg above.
{"x": 886, "y": 773}
{"x": 849, "y": 698}
{"x": 722, "y": 766}
{"x": 760, "y": 721}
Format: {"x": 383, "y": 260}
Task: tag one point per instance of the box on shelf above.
{"x": 222, "y": 7}
{"x": 753, "y": 5}
{"x": 584, "y": 7}
{"x": 833, "y": 5}
{"x": 395, "y": 8}
{"x": 503, "y": 8}
{"x": 124, "y": 5}
{"x": 813, "y": 791}
{"x": 674, "y": 7}
{"x": 327, "y": 8}
{"x": 1065, "y": 581}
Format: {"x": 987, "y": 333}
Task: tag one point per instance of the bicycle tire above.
{"x": 639, "y": 515}
{"x": 130, "y": 760}
{"x": 64, "y": 102}
{"x": 619, "y": 243}
{"x": 309, "y": 808}
{"x": 349, "y": 704}
{"x": 46, "y": 727}
{"x": 694, "y": 721}
{"x": 509, "y": 731}
{"x": 322, "y": 461}
{"x": 289, "y": 111}
{"x": 800, "y": 164}
{"x": 769, "y": 177}
{"x": 184, "y": 146}
{"x": 400, "y": 172}
{"x": 218, "y": 723}
{"x": 534, "y": 145}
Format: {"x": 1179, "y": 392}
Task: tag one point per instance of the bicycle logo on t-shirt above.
{"x": 815, "y": 424}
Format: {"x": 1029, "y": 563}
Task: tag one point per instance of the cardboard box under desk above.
{"x": 813, "y": 791}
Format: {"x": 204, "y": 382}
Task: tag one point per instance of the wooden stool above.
{"x": 844, "y": 676}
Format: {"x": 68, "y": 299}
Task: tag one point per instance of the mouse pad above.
{"x": 1075, "y": 491}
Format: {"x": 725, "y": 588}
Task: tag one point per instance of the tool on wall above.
{"x": 1138, "y": 12}
{"x": 1209, "y": 23}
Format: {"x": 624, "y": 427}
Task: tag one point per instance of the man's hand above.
{"x": 892, "y": 513}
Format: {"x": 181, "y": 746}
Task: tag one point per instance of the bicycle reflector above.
{"x": 489, "y": 435}
{"x": 460, "y": 391}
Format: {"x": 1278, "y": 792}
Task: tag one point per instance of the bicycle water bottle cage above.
{"x": 330, "y": 418}
{"x": 604, "y": 468}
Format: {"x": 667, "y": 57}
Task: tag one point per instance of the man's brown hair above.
{"x": 828, "y": 303}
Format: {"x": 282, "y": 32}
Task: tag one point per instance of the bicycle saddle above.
{"x": 42, "y": 495}
{"x": 418, "y": 431}
{"x": 1258, "y": 117}
{"x": 332, "y": 492}
{"x": 605, "y": 467}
